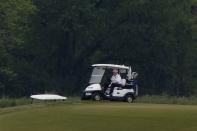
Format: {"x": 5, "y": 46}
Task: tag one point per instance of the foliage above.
{"x": 14, "y": 27}
{"x": 49, "y": 45}
{"x": 13, "y": 102}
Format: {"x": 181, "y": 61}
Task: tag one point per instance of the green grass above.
{"x": 102, "y": 116}
{"x": 165, "y": 99}
{"x": 154, "y": 99}
{"x": 7, "y": 102}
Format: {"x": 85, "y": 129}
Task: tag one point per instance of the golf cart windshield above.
{"x": 97, "y": 75}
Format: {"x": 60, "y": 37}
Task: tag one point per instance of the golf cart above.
{"x": 97, "y": 90}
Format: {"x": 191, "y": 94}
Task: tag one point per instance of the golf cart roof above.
{"x": 112, "y": 66}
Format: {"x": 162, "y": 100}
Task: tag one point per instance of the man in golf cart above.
{"x": 115, "y": 80}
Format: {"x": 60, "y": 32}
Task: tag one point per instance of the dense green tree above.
{"x": 49, "y": 45}
{"x": 14, "y": 26}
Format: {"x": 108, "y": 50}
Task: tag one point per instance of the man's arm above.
{"x": 118, "y": 79}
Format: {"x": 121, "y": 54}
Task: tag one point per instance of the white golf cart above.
{"x": 97, "y": 89}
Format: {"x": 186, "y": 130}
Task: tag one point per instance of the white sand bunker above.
{"x": 48, "y": 97}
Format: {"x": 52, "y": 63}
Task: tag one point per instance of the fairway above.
{"x": 99, "y": 117}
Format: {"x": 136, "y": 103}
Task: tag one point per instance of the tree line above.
{"x": 49, "y": 45}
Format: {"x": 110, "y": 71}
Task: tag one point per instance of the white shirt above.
{"x": 116, "y": 79}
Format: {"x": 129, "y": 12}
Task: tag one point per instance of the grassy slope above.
{"x": 98, "y": 117}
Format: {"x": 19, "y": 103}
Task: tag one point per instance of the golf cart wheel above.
{"x": 129, "y": 99}
{"x": 96, "y": 97}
